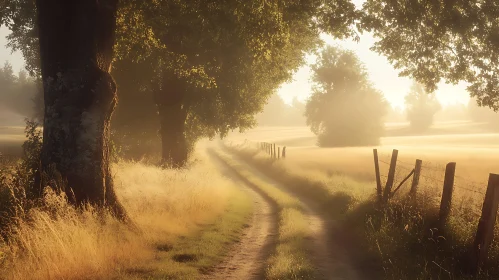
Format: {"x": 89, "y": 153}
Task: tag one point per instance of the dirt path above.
{"x": 247, "y": 258}
{"x": 328, "y": 256}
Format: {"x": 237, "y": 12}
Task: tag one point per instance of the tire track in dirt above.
{"x": 248, "y": 257}
{"x": 329, "y": 257}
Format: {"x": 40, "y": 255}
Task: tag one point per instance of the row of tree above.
{"x": 206, "y": 66}
{"x": 209, "y": 66}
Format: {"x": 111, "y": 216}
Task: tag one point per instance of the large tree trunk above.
{"x": 76, "y": 50}
{"x": 172, "y": 114}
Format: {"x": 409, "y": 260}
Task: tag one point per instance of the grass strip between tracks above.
{"x": 289, "y": 260}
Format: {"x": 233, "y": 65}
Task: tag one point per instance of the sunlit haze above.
{"x": 381, "y": 73}
{"x": 165, "y": 140}
{"x": 16, "y": 59}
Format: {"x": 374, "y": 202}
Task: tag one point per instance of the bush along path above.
{"x": 304, "y": 249}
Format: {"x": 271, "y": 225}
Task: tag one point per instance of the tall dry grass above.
{"x": 60, "y": 242}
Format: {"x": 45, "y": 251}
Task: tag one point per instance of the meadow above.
{"x": 186, "y": 218}
{"x": 183, "y": 222}
{"x": 403, "y": 237}
{"x": 474, "y": 150}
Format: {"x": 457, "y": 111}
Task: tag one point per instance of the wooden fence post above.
{"x": 445, "y": 204}
{"x": 275, "y": 154}
{"x": 485, "y": 230}
{"x": 278, "y": 152}
{"x": 415, "y": 178}
{"x": 284, "y": 152}
{"x": 391, "y": 175}
{"x": 379, "y": 190}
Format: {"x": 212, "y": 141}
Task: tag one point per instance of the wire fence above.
{"x": 431, "y": 176}
{"x": 469, "y": 193}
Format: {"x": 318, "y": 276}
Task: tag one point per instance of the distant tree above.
{"x": 344, "y": 109}
{"x": 454, "y": 112}
{"x": 296, "y": 113}
{"x": 394, "y": 114}
{"x": 17, "y": 93}
{"x": 7, "y": 83}
{"x": 278, "y": 113}
{"x": 135, "y": 123}
{"x": 420, "y": 107}
{"x": 439, "y": 40}
{"x": 272, "y": 113}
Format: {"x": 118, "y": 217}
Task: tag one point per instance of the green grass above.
{"x": 289, "y": 260}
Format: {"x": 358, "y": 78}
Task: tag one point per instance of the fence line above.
{"x": 487, "y": 220}
{"x": 273, "y": 150}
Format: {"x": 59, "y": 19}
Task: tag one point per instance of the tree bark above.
{"x": 173, "y": 114}
{"x": 76, "y": 50}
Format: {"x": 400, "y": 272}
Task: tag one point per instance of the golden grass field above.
{"x": 475, "y": 153}
{"x": 193, "y": 213}
{"x": 196, "y": 212}
{"x": 344, "y": 178}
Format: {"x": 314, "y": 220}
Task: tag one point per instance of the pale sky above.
{"x": 384, "y": 77}
{"x": 16, "y": 59}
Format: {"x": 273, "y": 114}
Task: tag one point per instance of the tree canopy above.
{"x": 344, "y": 109}
{"x": 432, "y": 41}
{"x": 226, "y": 58}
